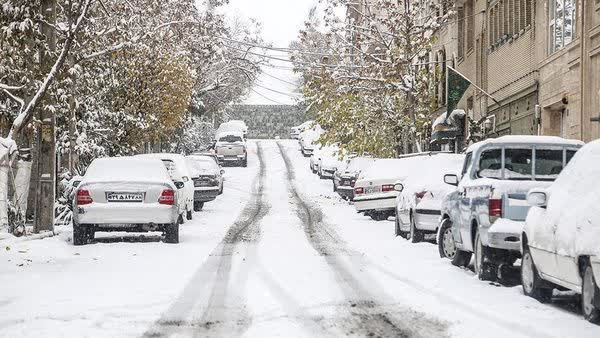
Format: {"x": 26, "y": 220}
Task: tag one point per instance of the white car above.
{"x": 233, "y": 125}
{"x": 178, "y": 169}
{"x": 329, "y": 161}
{"x": 208, "y": 179}
{"x": 295, "y": 131}
{"x": 418, "y": 206}
{"x": 561, "y": 236}
{"x": 231, "y": 148}
{"x": 376, "y": 190}
{"x": 308, "y": 138}
{"x": 126, "y": 194}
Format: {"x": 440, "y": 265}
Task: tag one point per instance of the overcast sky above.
{"x": 281, "y": 20}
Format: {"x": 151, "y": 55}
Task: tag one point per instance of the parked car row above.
{"x": 152, "y": 192}
{"x": 503, "y": 201}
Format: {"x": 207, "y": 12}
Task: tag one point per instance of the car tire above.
{"x": 589, "y": 293}
{"x": 245, "y": 163}
{"x": 379, "y": 216}
{"x": 80, "y": 234}
{"x": 416, "y": 235}
{"x": 484, "y": 269}
{"x": 221, "y": 191}
{"x": 189, "y": 215}
{"x": 446, "y": 246}
{"x": 198, "y": 206}
{"x": 398, "y": 230}
{"x": 172, "y": 233}
{"x": 533, "y": 285}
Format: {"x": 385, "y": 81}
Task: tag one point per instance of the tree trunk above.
{"x": 46, "y": 139}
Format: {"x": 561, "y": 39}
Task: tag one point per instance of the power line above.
{"x": 277, "y": 91}
{"x": 267, "y": 98}
{"x": 276, "y": 78}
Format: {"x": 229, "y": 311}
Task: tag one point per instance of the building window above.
{"x": 509, "y": 18}
{"x": 461, "y": 31}
{"x": 470, "y": 23}
{"x": 561, "y": 23}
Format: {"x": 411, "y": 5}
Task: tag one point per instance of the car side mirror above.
{"x": 76, "y": 184}
{"x": 451, "y": 179}
{"x": 398, "y": 187}
{"x": 222, "y": 171}
{"x": 537, "y": 198}
{"x": 179, "y": 184}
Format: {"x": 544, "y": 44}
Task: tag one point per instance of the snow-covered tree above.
{"x": 366, "y": 74}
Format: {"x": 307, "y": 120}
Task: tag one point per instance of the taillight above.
{"x": 359, "y": 190}
{"x": 387, "y": 187}
{"x": 83, "y": 197}
{"x": 421, "y": 194}
{"x": 495, "y": 207}
{"x": 167, "y": 197}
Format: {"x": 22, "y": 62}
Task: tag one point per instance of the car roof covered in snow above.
{"x": 126, "y": 169}
{"x": 397, "y": 168}
{"x": 525, "y": 139}
{"x": 181, "y": 165}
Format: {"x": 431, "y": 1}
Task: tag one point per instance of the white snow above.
{"x": 126, "y": 169}
{"x": 272, "y": 282}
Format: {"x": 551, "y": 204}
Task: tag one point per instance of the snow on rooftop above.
{"x": 525, "y": 139}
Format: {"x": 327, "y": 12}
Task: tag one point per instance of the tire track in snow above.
{"x": 211, "y": 280}
{"x": 366, "y": 311}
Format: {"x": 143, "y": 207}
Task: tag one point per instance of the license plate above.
{"x": 372, "y": 190}
{"x": 124, "y": 197}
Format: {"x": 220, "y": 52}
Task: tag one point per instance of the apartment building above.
{"x": 569, "y": 67}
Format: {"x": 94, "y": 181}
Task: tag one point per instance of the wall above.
{"x": 268, "y": 121}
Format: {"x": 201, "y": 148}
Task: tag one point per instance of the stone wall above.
{"x": 268, "y": 121}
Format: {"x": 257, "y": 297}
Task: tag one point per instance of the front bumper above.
{"x": 206, "y": 194}
{"x": 377, "y": 203}
{"x": 124, "y": 214}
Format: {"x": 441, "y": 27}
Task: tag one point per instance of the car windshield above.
{"x": 230, "y": 138}
{"x": 201, "y": 164}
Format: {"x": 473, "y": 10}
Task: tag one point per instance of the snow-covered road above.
{"x": 279, "y": 254}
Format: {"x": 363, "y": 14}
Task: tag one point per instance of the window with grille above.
{"x": 562, "y": 21}
{"x": 510, "y": 18}
{"x": 470, "y": 24}
{"x": 461, "y": 31}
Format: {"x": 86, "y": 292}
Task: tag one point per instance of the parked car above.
{"x": 233, "y": 126}
{"x": 208, "y": 179}
{"x": 295, "y": 131}
{"x": 329, "y": 160}
{"x": 345, "y": 177}
{"x": 376, "y": 190}
{"x": 178, "y": 168}
{"x": 485, "y": 214}
{"x": 307, "y": 140}
{"x": 210, "y": 155}
{"x": 418, "y": 206}
{"x": 561, "y": 236}
{"x": 127, "y": 194}
{"x": 231, "y": 148}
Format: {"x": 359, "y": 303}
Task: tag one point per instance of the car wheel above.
{"x": 221, "y": 190}
{"x": 181, "y": 219}
{"x": 198, "y": 206}
{"x": 245, "y": 163}
{"x": 530, "y": 279}
{"x": 416, "y": 235}
{"x": 80, "y": 234}
{"x": 172, "y": 233}
{"x": 334, "y": 186}
{"x": 484, "y": 269}
{"x": 446, "y": 246}
{"x": 189, "y": 215}
{"x": 589, "y": 292}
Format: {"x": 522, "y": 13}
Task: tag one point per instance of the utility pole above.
{"x": 45, "y": 138}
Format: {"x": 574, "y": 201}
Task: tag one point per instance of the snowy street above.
{"x": 278, "y": 254}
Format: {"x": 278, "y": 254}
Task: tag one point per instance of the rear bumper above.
{"x": 365, "y": 203}
{"x": 504, "y": 234}
{"x": 206, "y": 194}
{"x": 426, "y": 219}
{"x": 121, "y": 215}
{"x": 344, "y": 191}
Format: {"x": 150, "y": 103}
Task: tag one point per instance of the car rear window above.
{"x": 230, "y": 138}
{"x": 519, "y": 163}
